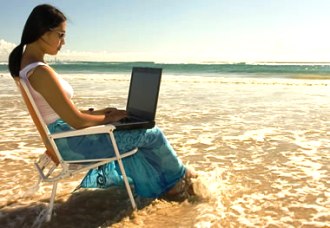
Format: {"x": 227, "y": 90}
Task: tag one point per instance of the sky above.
{"x": 182, "y": 30}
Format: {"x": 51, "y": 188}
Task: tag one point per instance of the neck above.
{"x": 32, "y": 53}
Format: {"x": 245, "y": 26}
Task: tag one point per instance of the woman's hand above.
{"x": 108, "y": 110}
{"x": 113, "y": 115}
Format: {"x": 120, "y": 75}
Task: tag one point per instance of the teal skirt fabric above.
{"x": 153, "y": 170}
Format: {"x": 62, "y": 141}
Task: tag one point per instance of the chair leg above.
{"x": 128, "y": 187}
{"x": 122, "y": 169}
{"x": 51, "y": 202}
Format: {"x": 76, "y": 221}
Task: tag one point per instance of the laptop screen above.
{"x": 143, "y": 92}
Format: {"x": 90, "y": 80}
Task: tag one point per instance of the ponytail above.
{"x": 14, "y": 61}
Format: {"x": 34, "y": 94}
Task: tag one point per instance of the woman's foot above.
{"x": 183, "y": 188}
{"x": 189, "y": 185}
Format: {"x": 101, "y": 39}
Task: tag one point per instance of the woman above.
{"x": 154, "y": 169}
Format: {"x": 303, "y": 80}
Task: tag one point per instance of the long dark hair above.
{"x": 42, "y": 19}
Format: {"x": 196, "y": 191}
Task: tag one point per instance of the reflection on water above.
{"x": 261, "y": 148}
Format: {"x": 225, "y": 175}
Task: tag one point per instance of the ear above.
{"x": 45, "y": 38}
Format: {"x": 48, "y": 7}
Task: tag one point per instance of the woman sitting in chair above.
{"x": 155, "y": 169}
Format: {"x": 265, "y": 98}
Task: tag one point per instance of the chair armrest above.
{"x": 85, "y": 131}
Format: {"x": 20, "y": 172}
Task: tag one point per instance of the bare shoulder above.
{"x": 43, "y": 75}
{"x": 44, "y": 79}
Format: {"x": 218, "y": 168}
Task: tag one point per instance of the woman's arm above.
{"x": 45, "y": 81}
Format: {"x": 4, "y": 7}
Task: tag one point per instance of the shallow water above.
{"x": 260, "y": 146}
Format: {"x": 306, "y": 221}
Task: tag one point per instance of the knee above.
{"x": 156, "y": 130}
{"x": 158, "y": 133}
{"x": 156, "y": 136}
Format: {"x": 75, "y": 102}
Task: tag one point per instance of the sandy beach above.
{"x": 260, "y": 146}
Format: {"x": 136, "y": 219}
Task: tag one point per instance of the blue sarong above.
{"x": 153, "y": 170}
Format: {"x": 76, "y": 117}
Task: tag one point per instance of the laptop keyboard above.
{"x": 129, "y": 120}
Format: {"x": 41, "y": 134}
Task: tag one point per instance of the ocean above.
{"x": 258, "y": 135}
{"x": 263, "y": 70}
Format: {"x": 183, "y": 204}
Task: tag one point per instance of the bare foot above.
{"x": 189, "y": 185}
{"x": 183, "y": 188}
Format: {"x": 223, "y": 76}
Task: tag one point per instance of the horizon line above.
{"x": 197, "y": 62}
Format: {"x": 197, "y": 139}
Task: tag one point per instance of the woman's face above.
{"x": 53, "y": 40}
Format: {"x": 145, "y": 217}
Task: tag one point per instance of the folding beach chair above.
{"x": 51, "y": 167}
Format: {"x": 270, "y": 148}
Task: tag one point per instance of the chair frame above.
{"x": 53, "y": 158}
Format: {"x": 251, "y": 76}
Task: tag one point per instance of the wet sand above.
{"x": 260, "y": 146}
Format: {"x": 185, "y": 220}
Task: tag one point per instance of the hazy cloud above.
{"x": 68, "y": 55}
{"x": 5, "y": 49}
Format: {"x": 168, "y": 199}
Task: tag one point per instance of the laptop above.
{"x": 142, "y": 99}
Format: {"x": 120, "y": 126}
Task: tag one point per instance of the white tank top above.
{"x": 47, "y": 113}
